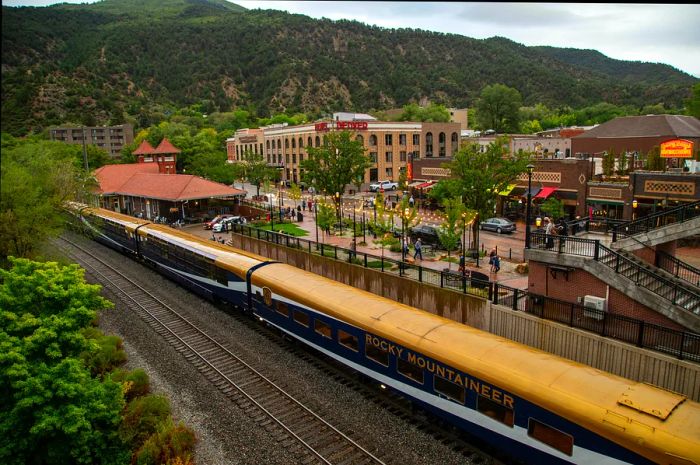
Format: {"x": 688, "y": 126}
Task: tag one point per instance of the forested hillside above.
{"x": 120, "y": 60}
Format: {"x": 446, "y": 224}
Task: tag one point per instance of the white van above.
{"x": 223, "y": 225}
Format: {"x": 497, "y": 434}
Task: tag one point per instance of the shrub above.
{"x": 108, "y": 354}
{"x": 171, "y": 444}
{"x": 143, "y": 416}
{"x": 136, "y": 383}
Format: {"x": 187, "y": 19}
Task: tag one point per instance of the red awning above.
{"x": 425, "y": 185}
{"x": 545, "y": 192}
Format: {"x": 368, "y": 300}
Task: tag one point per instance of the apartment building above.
{"x": 109, "y": 138}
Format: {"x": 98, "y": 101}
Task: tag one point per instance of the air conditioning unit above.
{"x": 596, "y": 303}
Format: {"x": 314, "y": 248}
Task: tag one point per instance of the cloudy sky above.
{"x": 641, "y": 32}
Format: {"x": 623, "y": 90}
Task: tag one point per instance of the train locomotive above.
{"x": 535, "y": 406}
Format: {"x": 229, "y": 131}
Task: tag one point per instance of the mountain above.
{"x": 103, "y": 62}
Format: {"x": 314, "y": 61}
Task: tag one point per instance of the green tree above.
{"x": 554, "y": 208}
{"x": 477, "y": 177}
{"x": 608, "y": 163}
{"x": 331, "y": 167}
{"x": 622, "y": 164}
{"x": 52, "y": 410}
{"x": 36, "y": 179}
{"x": 498, "y": 108}
{"x": 654, "y": 162}
{"x": 256, "y": 170}
{"x": 294, "y": 193}
{"x": 449, "y": 231}
{"x": 325, "y": 216}
{"x": 692, "y": 104}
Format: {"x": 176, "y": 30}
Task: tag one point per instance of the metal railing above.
{"x": 678, "y": 268}
{"x": 675, "y": 293}
{"x": 647, "y": 223}
{"x": 680, "y": 344}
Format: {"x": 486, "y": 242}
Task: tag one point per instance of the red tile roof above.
{"x": 143, "y": 180}
{"x": 144, "y": 148}
{"x": 166, "y": 147}
{"x": 112, "y": 177}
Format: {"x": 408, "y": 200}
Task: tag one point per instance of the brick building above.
{"x": 109, "y": 138}
{"x": 389, "y": 145}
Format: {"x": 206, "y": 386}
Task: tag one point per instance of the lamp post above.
{"x": 354, "y": 230}
{"x": 340, "y": 213}
{"x": 364, "y": 228}
{"x": 281, "y": 199}
{"x": 316, "y": 218}
{"x": 529, "y": 167}
{"x": 634, "y": 209}
{"x": 464, "y": 241}
{"x": 272, "y": 215}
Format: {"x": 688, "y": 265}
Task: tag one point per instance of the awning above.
{"x": 416, "y": 183}
{"x": 605, "y": 202}
{"x": 425, "y": 185}
{"x": 545, "y": 192}
{"x": 507, "y": 190}
{"x": 533, "y": 192}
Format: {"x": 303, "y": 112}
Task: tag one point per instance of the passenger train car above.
{"x": 537, "y": 407}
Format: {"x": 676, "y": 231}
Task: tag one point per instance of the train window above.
{"x": 221, "y": 277}
{"x": 281, "y": 308}
{"x": 494, "y": 410}
{"x": 410, "y": 370}
{"x": 348, "y": 340}
{"x": 550, "y": 436}
{"x": 378, "y": 355}
{"x": 301, "y": 318}
{"x": 322, "y": 328}
{"x": 447, "y": 388}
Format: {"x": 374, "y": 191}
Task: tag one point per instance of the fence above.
{"x": 680, "y": 344}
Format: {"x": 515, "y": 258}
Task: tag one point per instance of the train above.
{"x": 534, "y": 406}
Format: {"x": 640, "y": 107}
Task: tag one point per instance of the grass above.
{"x": 287, "y": 228}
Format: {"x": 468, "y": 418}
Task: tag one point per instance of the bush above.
{"x": 143, "y": 416}
{"x": 172, "y": 444}
{"x": 135, "y": 383}
{"x": 108, "y": 355}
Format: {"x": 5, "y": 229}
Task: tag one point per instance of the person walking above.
{"x": 492, "y": 256}
{"x": 549, "y": 232}
{"x": 418, "y": 250}
{"x": 411, "y": 201}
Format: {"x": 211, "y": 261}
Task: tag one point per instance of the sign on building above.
{"x": 677, "y": 148}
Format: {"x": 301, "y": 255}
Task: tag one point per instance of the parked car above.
{"x": 223, "y": 224}
{"x": 386, "y": 185}
{"x": 500, "y": 225}
{"x": 210, "y": 224}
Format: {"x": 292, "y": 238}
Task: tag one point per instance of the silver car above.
{"x": 500, "y": 225}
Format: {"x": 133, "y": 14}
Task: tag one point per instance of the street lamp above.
{"x": 316, "y": 218}
{"x": 272, "y": 214}
{"x": 281, "y": 199}
{"x": 340, "y": 213}
{"x": 354, "y": 230}
{"x": 634, "y": 209}
{"x": 464, "y": 242}
{"x": 529, "y": 167}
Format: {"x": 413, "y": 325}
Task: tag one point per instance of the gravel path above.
{"x": 225, "y": 434}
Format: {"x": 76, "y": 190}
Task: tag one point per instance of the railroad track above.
{"x": 297, "y": 428}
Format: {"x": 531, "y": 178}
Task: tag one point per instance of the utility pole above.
{"x": 85, "y": 151}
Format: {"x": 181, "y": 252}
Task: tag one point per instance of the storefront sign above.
{"x": 342, "y": 125}
{"x": 247, "y": 139}
{"x": 677, "y": 148}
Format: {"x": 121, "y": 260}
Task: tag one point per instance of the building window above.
{"x": 402, "y": 139}
{"x": 279, "y": 144}
{"x": 372, "y": 140}
{"x": 389, "y": 157}
{"x": 429, "y": 144}
{"x": 390, "y": 173}
{"x": 455, "y": 143}
{"x": 550, "y": 436}
{"x": 268, "y": 158}
{"x": 373, "y": 175}
{"x": 261, "y": 148}
{"x": 416, "y": 139}
{"x": 267, "y": 144}
{"x": 301, "y": 143}
{"x": 360, "y": 139}
{"x": 441, "y": 141}
{"x": 287, "y": 158}
{"x": 286, "y": 144}
{"x": 348, "y": 340}
{"x": 294, "y": 143}
{"x": 294, "y": 158}
{"x": 402, "y": 155}
{"x": 309, "y": 142}
{"x": 388, "y": 139}
{"x": 301, "y": 157}
{"x": 318, "y": 141}
{"x": 373, "y": 157}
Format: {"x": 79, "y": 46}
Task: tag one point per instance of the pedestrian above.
{"x": 496, "y": 264}
{"x": 492, "y": 255}
{"x": 411, "y": 201}
{"x": 303, "y": 205}
{"x": 310, "y": 204}
{"x": 562, "y": 230}
{"x": 549, "y": 232}
{"x": 405, "y": 247}
{"x": 418, "y": 250}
